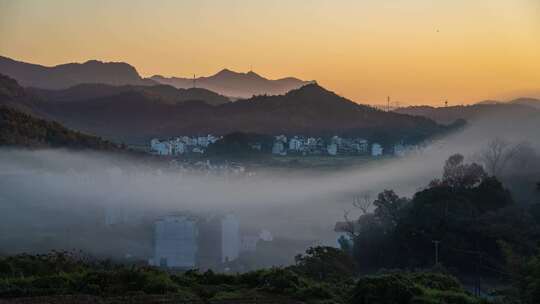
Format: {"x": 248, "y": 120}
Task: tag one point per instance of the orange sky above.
{"x": 417, "y": 51}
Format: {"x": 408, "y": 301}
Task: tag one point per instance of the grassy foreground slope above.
{"x": 322, "y": 275}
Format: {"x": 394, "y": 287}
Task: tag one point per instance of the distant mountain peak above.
{"x": 312, "y": 87}
{"x": 252, "y": 74}
{"x": 226, "y": 72}
{"x": 97, "y": 62}
{"x": 63, "y": 76}
{"x": 93, "y": 61}
{"x": 236, "y": 84}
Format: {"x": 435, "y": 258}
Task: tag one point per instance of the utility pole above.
{"x": 478, "y": 287}
{"x": 194, "y": 81}
{"x": 436, "y": 243}
{"x": 388, "y": 104}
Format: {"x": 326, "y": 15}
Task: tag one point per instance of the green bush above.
{"x": 55, "y": 283}
{"x": 436, "y": 281}
{"x": 159, "y": 284}
{"x": 8, "y": 290}
{"x": 384, "y": 289}
{"x": 5, "y": 268}
{"x": 281, "y": 280}
{"x": 313, "y": 291}
{"x": 447, "y": 297}
{"x": 60, "y": 274}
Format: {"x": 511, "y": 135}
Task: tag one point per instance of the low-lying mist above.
{"x": 59, "y": 198}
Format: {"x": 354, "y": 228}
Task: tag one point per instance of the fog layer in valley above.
{"x": 57, "y": 198}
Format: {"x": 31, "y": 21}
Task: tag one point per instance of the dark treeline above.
{"x": 466, "y": 223}
{"x": 240, "y": 145}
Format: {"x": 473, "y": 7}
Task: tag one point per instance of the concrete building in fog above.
{"x": 251, "y": 237}
{"x": 249, "y": 243}
{"x": 196, "y": 241}
{"x": 230, "y": 238}
{"x": 175, "y": 242}
{"x": 219, "y": 240}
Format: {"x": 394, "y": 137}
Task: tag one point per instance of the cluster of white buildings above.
{"x": 318, "y": 146}
{"x": 187, "y": 241}
{"x": 282, "y": 145}
{"x": 181, "y": 145}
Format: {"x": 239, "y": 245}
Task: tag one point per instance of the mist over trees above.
{"x": 465, "y": 222}
{"x": 479, "y": 219}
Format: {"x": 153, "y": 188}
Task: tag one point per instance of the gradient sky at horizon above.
{"x": 417, "y": 51}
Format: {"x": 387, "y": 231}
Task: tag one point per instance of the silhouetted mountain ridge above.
{"x": 226, "y": 82}
{"x": 66, "y": 75}
{"x": 235, "y": 84}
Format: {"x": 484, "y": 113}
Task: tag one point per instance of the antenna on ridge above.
{"x": 194, "y": 81}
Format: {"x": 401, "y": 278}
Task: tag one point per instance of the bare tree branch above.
{"x": 363, "y": 202}
{"x": 497, "y": 154}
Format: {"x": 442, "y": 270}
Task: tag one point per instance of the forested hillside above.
{"x": 22, "y": 130}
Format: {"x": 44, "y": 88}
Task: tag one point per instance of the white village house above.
{"x": 376, "y": 150}
{"x": 181, "y": 145}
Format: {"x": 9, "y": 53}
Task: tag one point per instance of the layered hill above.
{"x": 525, "y": 101}
{"x": 162, "y": 93}
{"x": 66, "y": 75}
{"x": 20, "y": 125}
{"x": 134, "y": 116}
{"x": 308, "y": 110}
{"x": 485, "y": 110}
{"x": 511, "y": 121}
{"x": 14, "y": 96}
{"x": 531, "y": 102}
{"x": 18, "y": 129}
{"x": 234, "y": 84}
